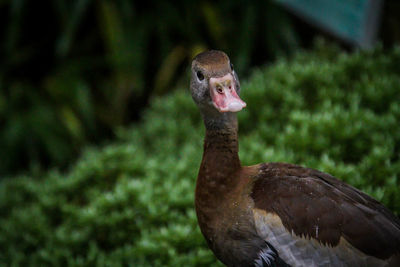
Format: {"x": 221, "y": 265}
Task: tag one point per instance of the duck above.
{"x": 276, "y": 214}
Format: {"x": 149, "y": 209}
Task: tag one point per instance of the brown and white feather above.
{"x": 317, "y": 209}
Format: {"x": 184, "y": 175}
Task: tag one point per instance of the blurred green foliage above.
{"x": 73, "y": 71}
{"x": 131, "y": 202}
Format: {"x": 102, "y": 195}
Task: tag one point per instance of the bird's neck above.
{"x": 219, "y": 171}
{"x": 220, "y": 157}
{"x": 219, "y": 175}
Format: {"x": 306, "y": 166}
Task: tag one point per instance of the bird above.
{"x": 276, "y": 214}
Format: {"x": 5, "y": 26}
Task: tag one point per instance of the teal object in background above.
{"x": 354, "y": 21}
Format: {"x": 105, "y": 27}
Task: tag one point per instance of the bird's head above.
{"x": 214, "y": 84}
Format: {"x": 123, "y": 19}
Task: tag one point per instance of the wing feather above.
{"x": 316, "y": 205}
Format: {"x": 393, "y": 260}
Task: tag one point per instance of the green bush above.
{"x": 131, "y": 202}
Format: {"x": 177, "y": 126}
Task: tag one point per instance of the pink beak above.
{"x": 224, "y": 96}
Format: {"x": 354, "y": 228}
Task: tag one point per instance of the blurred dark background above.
{"x": 71, "y": 72}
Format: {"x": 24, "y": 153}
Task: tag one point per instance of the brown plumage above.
{"x": 313, "y": 196}
{"x": 277, "y": 214}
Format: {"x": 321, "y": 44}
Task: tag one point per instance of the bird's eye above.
{"x": 219, "y": 89}
{"x": 231, "y": 66}
{"x": 200, "y": 76}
